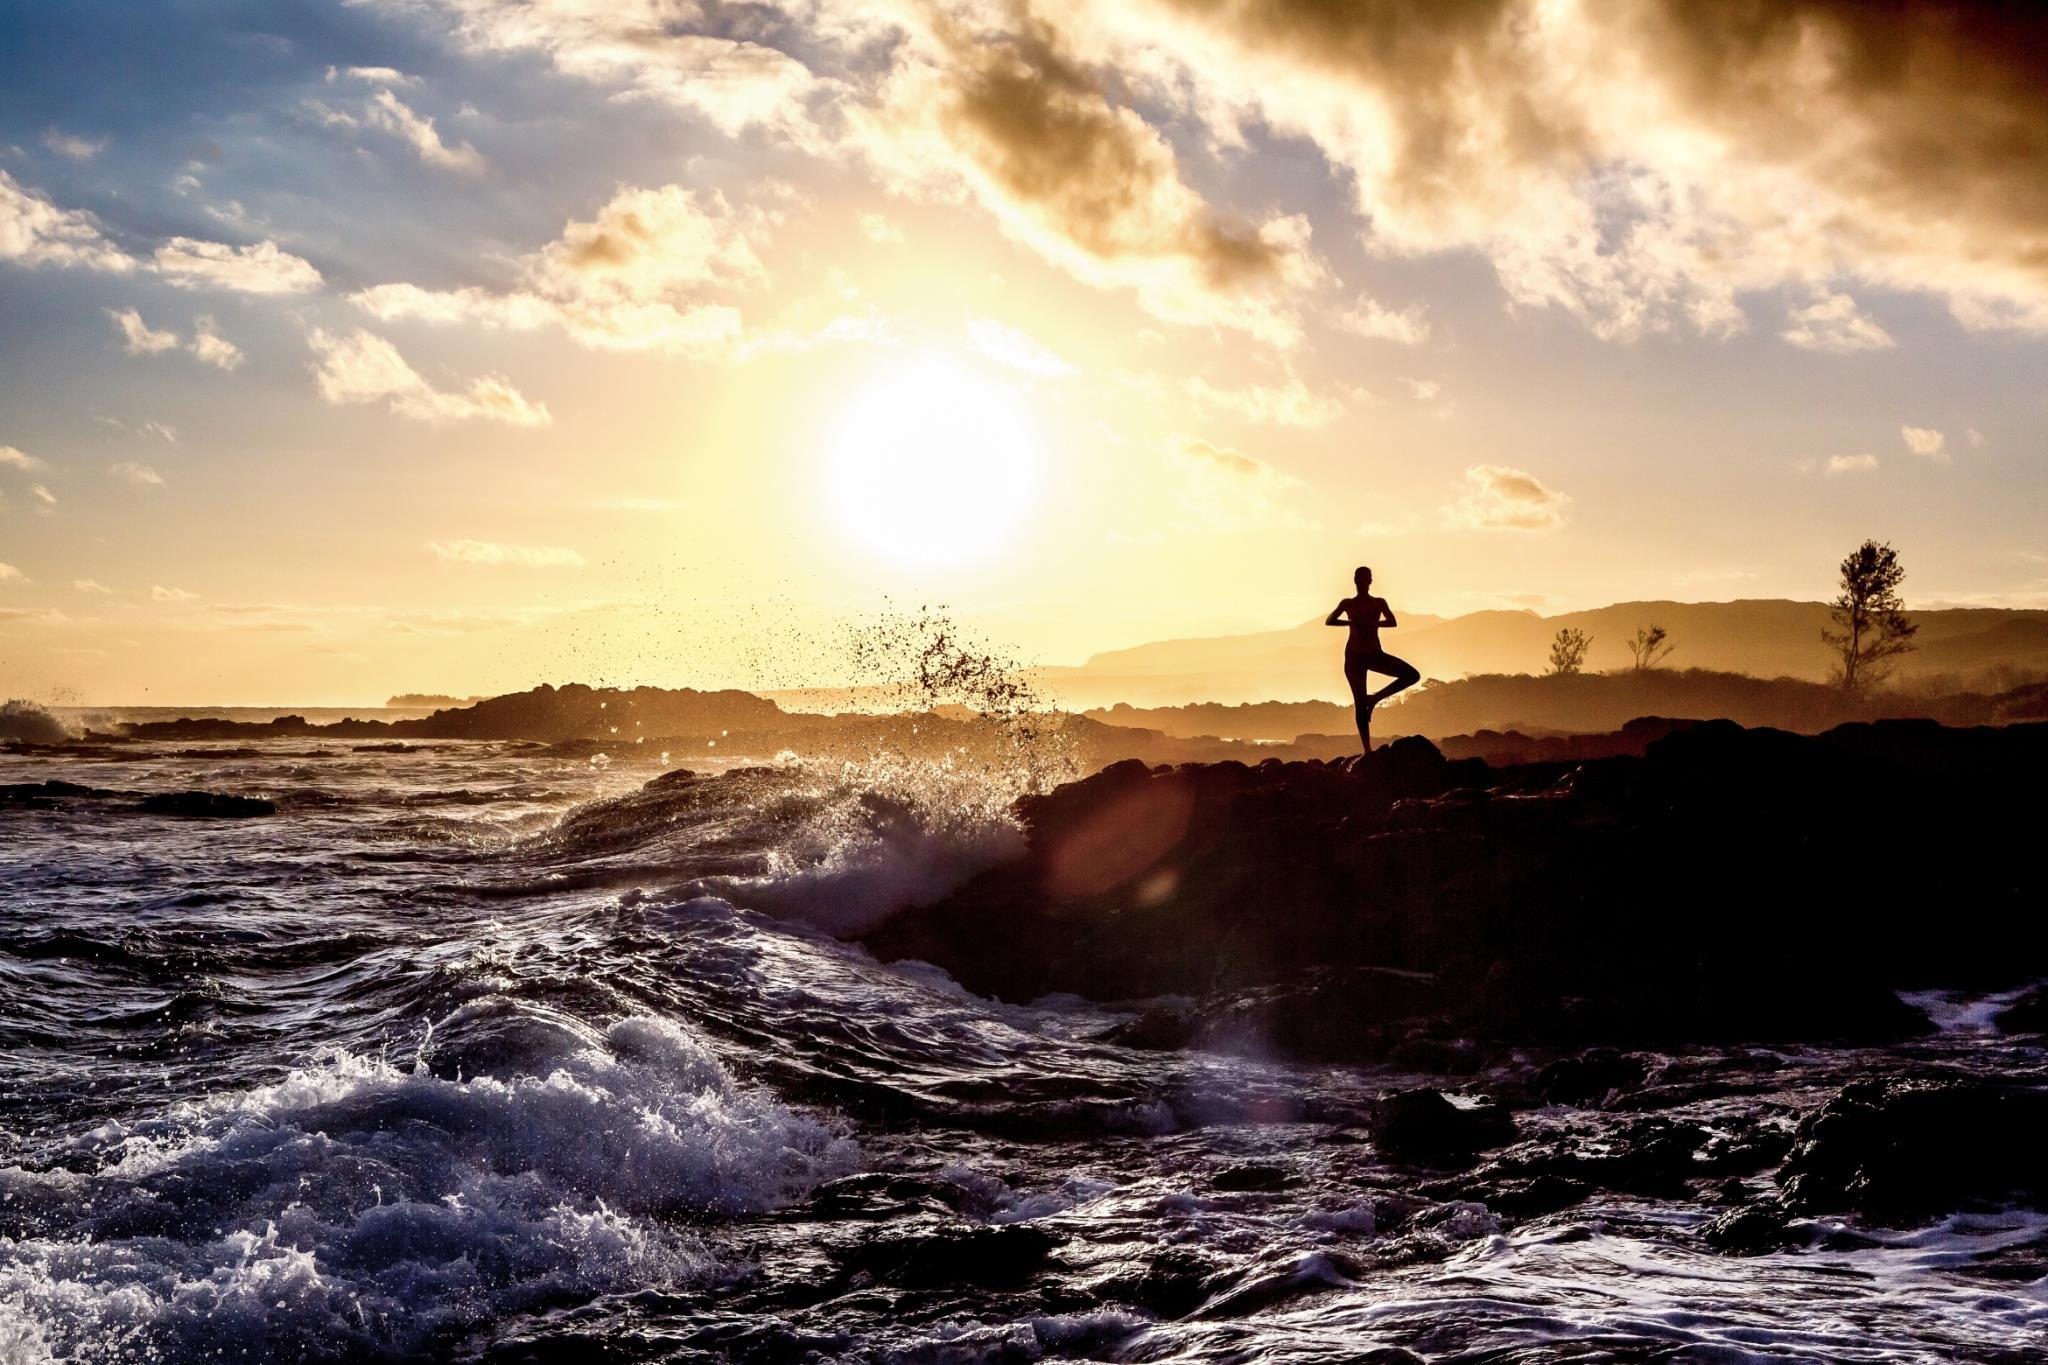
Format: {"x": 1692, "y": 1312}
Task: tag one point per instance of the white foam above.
{"x": 360, "y": 1202}
{"x": 879, "y": 836}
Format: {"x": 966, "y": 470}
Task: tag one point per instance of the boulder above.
{"x": 986, "y": 1257}
{"x": 207, "y": 805}
{"x": 1903, "y": 1151}
{"x": 1425, "y": 1128}
{"x": 2027, "y": 1014}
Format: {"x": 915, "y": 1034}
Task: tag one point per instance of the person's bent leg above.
{"x": 1400, "y": 670}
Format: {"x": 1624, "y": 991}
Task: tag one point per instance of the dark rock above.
{"x": 1444, "y": 1056}
{"x": 986, "y": 1257}
{"x": 2028, "y": 1014}
{"x": 1589, "y": 1078}
{"x": 43, "y": 795}
{"x": 1424, "y": 1128}
{"x": 1159, "y": 1029}
{"x": 1325, "y": 1016}
{"x": 1251, "y": 1178}
{"x": 1535, "y": 1197}
{"x": 1652, "y": 1156}
{"x": 1750, "y": 1230}
{"x": 1695, "y": 893}
{"x": 1902, "y": 1151}
{"x": 1173, "y": 1283}
{"x": 207, "y": 805}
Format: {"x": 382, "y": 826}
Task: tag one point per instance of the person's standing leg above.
{"x": 1356, "y": 674}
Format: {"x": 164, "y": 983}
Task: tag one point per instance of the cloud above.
{"x": 1220, "y": 489}
{"x": 137, "y": 337}
{"x": 17, "y": 459}
{"x": 10, "y": 574}
{"x": 207, "y": 345}
{"x": 135, "y": 474}
{"x": 490, "y": 552}
{"x": 92, "y": 585}
{"x": 1975, "y": 437}
{"x": 1850, "y": 464}
{"x": 1498, "y": 498}
{"x": 375, "y": 75}
{"x": 632, "y": 278}
{"x": 259, "y": 269}
{"x": 43, "y": 495}
{"x": 1422, "y": 390}
{"x": 1015, "y": 123}
{"x": 210, "y": 347}
{"x": 1369, "y": 318}
{"x": 34, "y": 231}
{"x": 1007, "y": 346}
{"x": 1927, "y": 442}
{"x": 360, "y": 367}
{"x": 1833, "y": 323}
{"x": 159, "y": 593}
{"x": 877, "y": 227}
{"x": 737, "y": 82}
{"x": 1641, "y": 163}
{"x": 388, "y": 112}
{"x": 72, "y": 145}
{"x": 1289, "y": 405}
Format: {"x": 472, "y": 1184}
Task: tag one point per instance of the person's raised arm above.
{"x": 1336, "y": 617}
{"x": 1387, "y": 614}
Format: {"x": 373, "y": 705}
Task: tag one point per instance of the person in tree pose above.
{"x": 1367, "y": 616}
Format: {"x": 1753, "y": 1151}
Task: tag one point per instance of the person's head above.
{"x": 1362, "y": 576}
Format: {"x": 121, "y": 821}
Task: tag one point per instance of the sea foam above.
{"x": 359, "y": 1206}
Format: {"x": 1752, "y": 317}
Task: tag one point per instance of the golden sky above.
{"x": 458, "y": 345}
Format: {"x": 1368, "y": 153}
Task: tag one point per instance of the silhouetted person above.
{"x": 1366, "y": 614}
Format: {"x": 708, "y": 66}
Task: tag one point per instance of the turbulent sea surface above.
{"x": 482, "y": 1051}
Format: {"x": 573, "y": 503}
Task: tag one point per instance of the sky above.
{"x": 357, "y": 346}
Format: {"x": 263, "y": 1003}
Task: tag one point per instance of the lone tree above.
{"x": 1568, "y": 651}
{"x": 1649, "y": 647}
{"x": 1870, "y": 620}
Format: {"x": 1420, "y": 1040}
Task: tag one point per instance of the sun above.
{"x": 933, "y": 465}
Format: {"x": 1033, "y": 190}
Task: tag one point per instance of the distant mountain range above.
{"x": 1983, "y": 647}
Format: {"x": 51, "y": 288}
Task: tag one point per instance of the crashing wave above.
{"x": 359, "y": 1207}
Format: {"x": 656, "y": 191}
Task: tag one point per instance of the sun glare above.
{"x": 932, "y": 465}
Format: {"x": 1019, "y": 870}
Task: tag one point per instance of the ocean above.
{"x": 485, "y": 1051}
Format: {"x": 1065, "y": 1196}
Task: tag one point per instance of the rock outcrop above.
{"x": 1729, "y": 884}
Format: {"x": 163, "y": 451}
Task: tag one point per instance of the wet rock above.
{"x": 1424, "y": 1128}
{"x": 1323, "y": 1016}
{"x": 986, "y": 1257}
{"x": 1535, "y": 1197}
{"x": 1902, "y": 1151}
{"x": 1653, "y": 1156}
{"x": 1751, "y": 1230}
{"x": 1589, "y": 1078}
{"x": 207, "y": 805}
{"x": 1251, "y": 1177}
{"x": 1444, "y": 1056}
{"x": 1172, "y": 1284}
{"x": 1694, "y": 893}
{"x": 1159, "y": 1029}
{"x": 43, "y": 795}
{"x": 2028, "y": 1014}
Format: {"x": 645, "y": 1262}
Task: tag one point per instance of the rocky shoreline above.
{"x": 1727, "y": 885}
